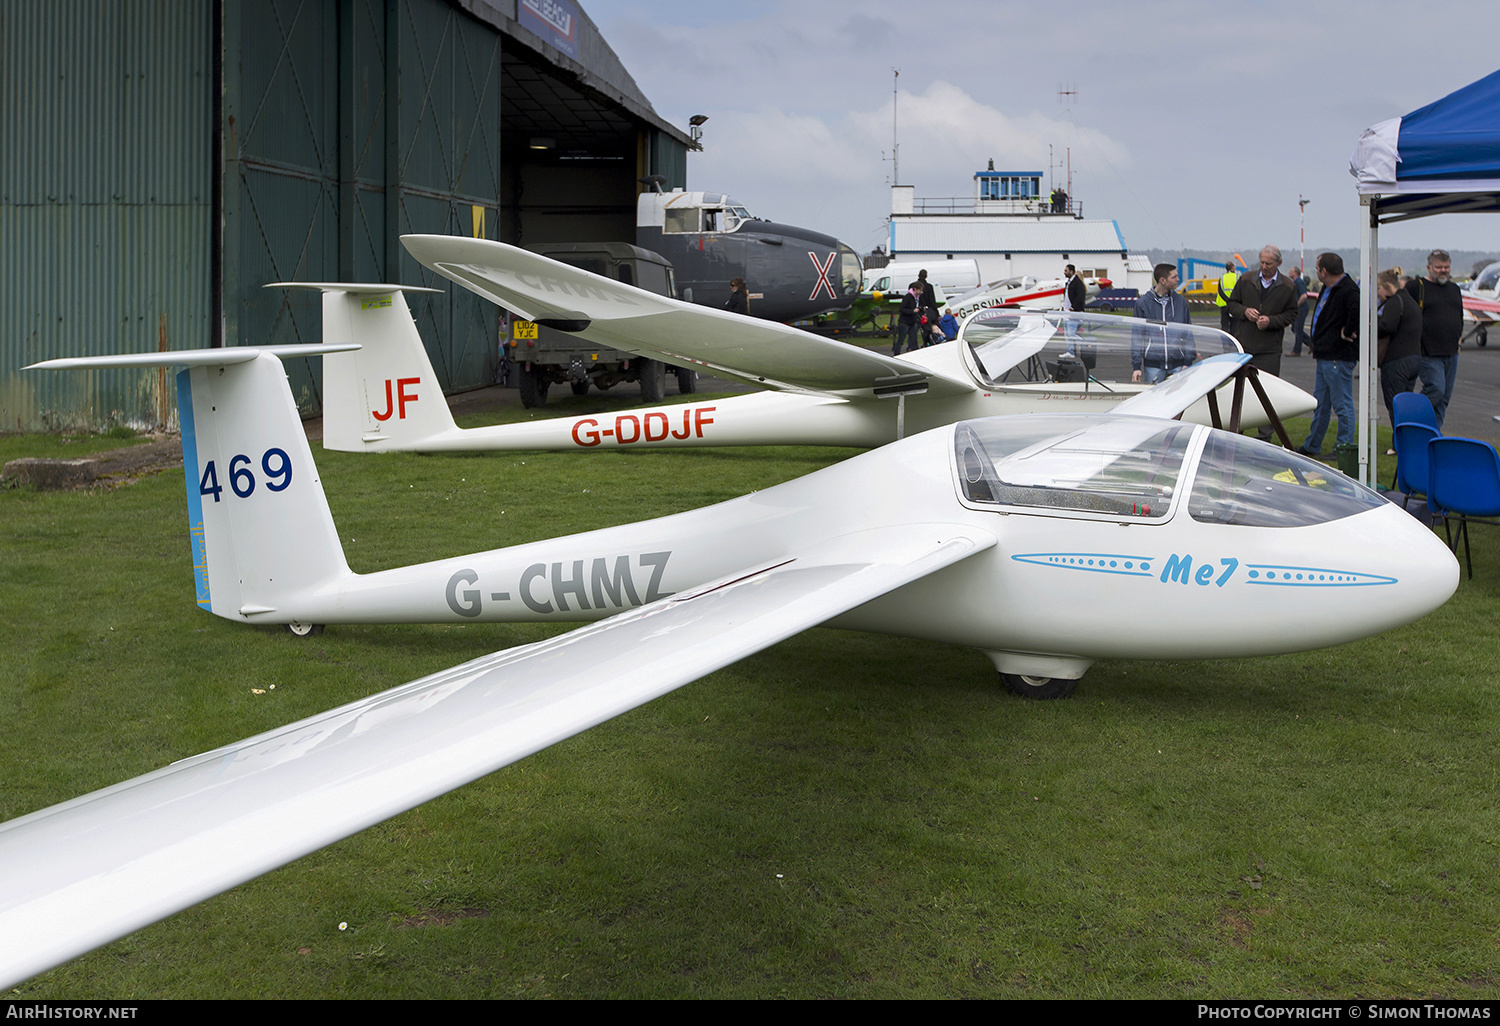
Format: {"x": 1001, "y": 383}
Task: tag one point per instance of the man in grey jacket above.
{"x": 1157, "y": 352}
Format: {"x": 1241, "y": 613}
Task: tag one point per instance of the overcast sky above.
{"x": 1194, "y": 125}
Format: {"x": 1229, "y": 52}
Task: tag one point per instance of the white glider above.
{"x": 818, "y": 391}
{"x": 1047, "y": 541}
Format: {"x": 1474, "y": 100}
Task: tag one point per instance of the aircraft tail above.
{"x": 384, "y": 395}
{"x": 260, "y": 525}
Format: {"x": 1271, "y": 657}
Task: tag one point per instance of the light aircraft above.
{"x": 1025, "y": 292}
{"x": 1482, "y": 303}
{"x": 1047, "y": 541}
{"x": 385, "y": 397}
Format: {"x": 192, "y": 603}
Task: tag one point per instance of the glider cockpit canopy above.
{"x": 1017, "y": 347}
{"x": 1115, "y": 468}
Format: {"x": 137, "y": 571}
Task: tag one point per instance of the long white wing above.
{"x": 731, "y": 345}
{"x": 90, "y": 870}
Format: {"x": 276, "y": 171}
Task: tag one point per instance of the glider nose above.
{"x": 1426, "y": 571}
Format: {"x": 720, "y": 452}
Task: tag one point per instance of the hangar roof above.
{"x": 563, "y": 101}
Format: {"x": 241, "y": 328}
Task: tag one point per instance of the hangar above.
{"x": 163, "y": 161}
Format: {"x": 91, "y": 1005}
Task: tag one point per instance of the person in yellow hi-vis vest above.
{"x": 1226, "y": 287}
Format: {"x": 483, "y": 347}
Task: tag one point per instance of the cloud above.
{"x": 945, "y": 134}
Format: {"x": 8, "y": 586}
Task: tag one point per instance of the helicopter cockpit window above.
{"x": 1110, "y": 466}
{"x": 1249, "y": 483}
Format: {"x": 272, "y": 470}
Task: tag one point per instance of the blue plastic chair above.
{"x": 1412, "y": 440}
{"x": 1412, "y": 408}
{"x": 1463, "y": 479}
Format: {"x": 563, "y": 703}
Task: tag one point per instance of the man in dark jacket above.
{"x": 908, "y": 322}
{"x": 1442, "y": 304}
{"x": 1335, "y": 346}
{"x": 1077, "y": 293}
{"x": 1260, "y": 308}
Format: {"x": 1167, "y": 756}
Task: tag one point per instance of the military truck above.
{"x": 546, "y": 356}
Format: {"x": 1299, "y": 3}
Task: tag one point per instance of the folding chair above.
{"x": 1464, "y": 480}
{"x": 1412, "y": 440}
{"x": 1411, "y": 408}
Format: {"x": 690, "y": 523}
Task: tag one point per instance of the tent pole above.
{"x": 1369, "y": 374}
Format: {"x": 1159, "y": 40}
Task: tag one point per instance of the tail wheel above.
{"x": 304, "y": 630}
{"x": 1042, "y": 688}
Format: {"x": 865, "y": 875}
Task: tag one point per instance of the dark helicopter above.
{"x": 791, "y": 273}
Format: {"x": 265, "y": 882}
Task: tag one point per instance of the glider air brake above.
{"x": 818, "y": 391}
{"x": 1047, "y": 541}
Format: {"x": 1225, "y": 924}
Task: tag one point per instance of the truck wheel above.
{"x": 580, "y": 387}
{"x": 653, "y": 375}
{"x": 533, "y": 387}
{"x": 687, "y": 380}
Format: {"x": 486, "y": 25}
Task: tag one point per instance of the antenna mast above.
{"x": 895, "y": 137}
{"x": 1067, "y": 95}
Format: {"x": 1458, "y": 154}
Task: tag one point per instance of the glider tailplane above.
{"x": 260, "y": 525}
{"x": 386, "y": 391}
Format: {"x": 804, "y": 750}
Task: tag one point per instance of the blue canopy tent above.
{"x": 1443, "y": 158}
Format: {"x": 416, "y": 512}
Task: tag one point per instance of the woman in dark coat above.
{"x": 739, "y": 297}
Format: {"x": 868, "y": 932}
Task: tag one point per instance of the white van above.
{"x": 952, "y": 276}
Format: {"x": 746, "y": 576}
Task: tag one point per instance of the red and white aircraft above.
{"x": 1024, "y": 292}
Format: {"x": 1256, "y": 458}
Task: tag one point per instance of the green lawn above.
{"x": 840, "y": 816}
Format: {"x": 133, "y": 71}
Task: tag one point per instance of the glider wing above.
{"x": 93, "y": 869}
{"x": 730, "y": 345}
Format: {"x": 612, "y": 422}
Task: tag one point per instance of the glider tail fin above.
{"x": 260, "y": 524}
{"x": 262, "y": 534}
{"x": 385, "y": 392}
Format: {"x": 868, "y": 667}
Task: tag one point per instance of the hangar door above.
{"x": 346, "y": 124}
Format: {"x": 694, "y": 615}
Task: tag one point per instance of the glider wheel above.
{"x": 1041, "y": 688}
{"x": 580, "y": 387}
{"x": 687, "y": 380}
{"x": 304, "y": 630}
{"x": 1482, "y": 336}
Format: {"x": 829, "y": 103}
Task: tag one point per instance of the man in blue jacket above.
{"x": 1157, "y": 352}
{"x": 1335, "y": 346}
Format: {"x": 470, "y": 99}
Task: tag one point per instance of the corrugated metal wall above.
{"x": 324, "y": 173}
{"x": 447, "y": 164}
{"x": 345, "y": 124}
{"x": 104, "y": 202}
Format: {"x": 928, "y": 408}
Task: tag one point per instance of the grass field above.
{"x": 840, "y": 816}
